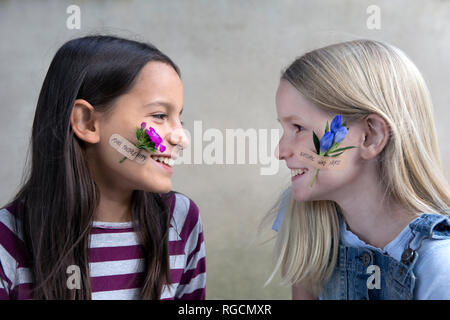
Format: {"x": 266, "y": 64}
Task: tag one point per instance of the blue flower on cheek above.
{"x": 336, "y": 124}
{"x": 340, "y": 134}
{"x": 339, "y": 130}
{"x": 327, "y": 141}
{"x": 327, "y": 145}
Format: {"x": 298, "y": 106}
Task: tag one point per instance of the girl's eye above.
{"x": 298, "y": 127}
{"x": 160, "y": 116}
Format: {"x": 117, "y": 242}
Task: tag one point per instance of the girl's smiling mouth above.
{"x": 296, "y": 173}
{"x": 164, "y": 161}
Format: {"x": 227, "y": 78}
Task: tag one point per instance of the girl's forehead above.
{"x": 158, "y": 77}
{"x": 158, "y": 81}
{"x": 291, "y": 105}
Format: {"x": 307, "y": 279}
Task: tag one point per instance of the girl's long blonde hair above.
{"x": 355, "y": 79}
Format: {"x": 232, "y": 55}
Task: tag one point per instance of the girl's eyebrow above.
{"x": 166, "y": 104}
{"x": 292, "y": 117}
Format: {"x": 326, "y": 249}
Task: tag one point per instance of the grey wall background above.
{"x": 231, "y": 54}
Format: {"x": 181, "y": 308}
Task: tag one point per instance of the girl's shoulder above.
{"x": 184, "y": 214}
{"x": 432, "y": 269}
{"x": 10, "y": 229}
{"x": 180, "y": 204}
{"x": 433, "y": 248}
{"x": 12, "y": 250}
{"x": 432, "y": 225}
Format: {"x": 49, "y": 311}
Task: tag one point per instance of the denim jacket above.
{"x": 362, "y": 273}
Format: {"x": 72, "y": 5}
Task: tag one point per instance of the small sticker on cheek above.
{"x": 128, "y": 149}
{"x": 320, "y": 162}
{"x": 142, "y": 157}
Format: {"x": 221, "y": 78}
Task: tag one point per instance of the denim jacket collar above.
{"x": 353, "y": 276}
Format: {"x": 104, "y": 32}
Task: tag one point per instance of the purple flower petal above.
{"x": 143, "y": 125}
{"x": 162, "y": 148}
{"x": 154, "y": 136}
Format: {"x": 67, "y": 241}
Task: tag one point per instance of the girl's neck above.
{"x": 111, "y": 212}
{"x": 115, "y": 199}
{"x": 114, "y": 206}
{"x": 374, "y": 218}
{"x": 377, "y": 226}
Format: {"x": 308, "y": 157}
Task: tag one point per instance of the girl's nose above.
{"x": 283, "y": 150}
{"x": 178, "y": 138}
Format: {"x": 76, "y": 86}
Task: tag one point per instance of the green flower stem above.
{"x": 331, "y": 150}
{"x": 123, "y": 159}
{"x": 314, "y": 178}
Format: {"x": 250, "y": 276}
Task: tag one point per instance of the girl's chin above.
{"x": 300, "y": 194}
{"x": 310, "y": 195}
{"x": 301, "y": 199}
{"x": 304, "y": 193}
{"x": 157, "y": 187}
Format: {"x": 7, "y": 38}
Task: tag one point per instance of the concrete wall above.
{"x": 231, "y": 54}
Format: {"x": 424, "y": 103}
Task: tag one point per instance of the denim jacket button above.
{"x": 366, "y": 259}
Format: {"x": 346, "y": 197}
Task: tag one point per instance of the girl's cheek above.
{"x": 304, "y": 142}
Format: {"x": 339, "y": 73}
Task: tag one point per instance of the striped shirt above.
{"x": 116, "y": 258}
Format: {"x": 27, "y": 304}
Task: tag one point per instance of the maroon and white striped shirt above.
{"x": 115, "y": 257}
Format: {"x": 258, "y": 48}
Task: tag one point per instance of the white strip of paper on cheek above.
{"x": 128, "y": 149}
{"x": 321, "y": 162}
{"x": 142, "y": 157}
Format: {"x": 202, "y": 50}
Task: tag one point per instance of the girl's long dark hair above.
{"x": 60, "y": 197}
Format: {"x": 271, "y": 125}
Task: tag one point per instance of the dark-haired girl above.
{"x": 90, "y": 223}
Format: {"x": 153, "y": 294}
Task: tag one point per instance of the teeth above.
{"x": 165, "y": 160}
{"x": 295, "y": 172}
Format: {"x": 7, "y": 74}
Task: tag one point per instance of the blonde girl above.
{"x": 378, "y": 227}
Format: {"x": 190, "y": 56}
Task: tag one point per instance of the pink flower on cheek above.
{"x": 149, "y": 141}
{"x": 154, "y": 137}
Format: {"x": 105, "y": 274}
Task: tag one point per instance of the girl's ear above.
{"x": 84, "y": 121}
{"x": 376, "y": 136}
